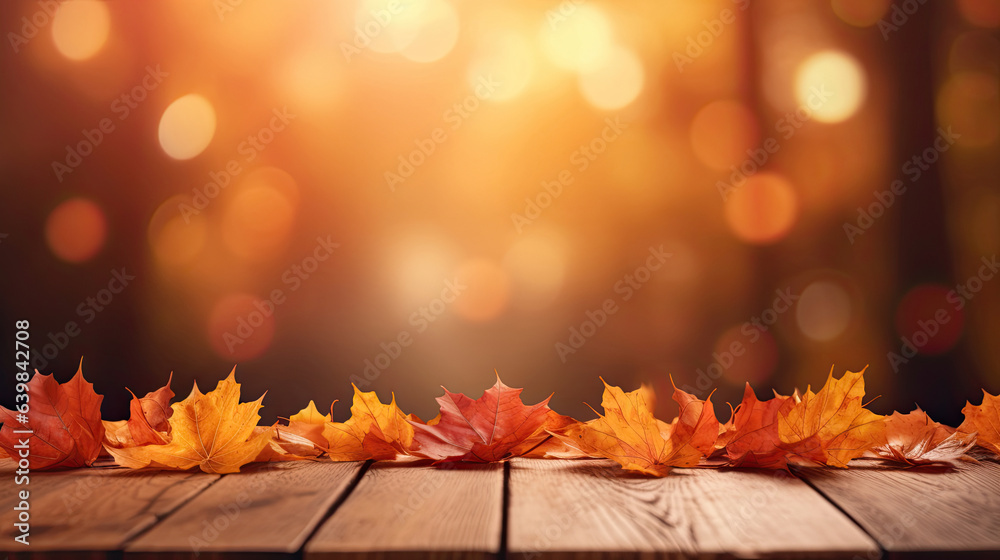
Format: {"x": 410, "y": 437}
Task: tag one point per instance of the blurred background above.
{"x": 413, "y": 193}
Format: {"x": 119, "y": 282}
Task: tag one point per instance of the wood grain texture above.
{"x": 593, "y": 509}
{"x": 268, "y": 508}
{"x": 919, "y": 512}
{"x": 406, "y": 511}
{"x": 96, "y": 510}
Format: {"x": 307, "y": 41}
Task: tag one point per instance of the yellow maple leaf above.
{"x": 829, "y": 427}
{"x": 213, "y": 431}
{"x": 628, "y": 433}
{"x": 374, "y": 430}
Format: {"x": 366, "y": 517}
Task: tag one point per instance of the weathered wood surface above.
{"x": 562, "y": 509}
{"x": 920, "y": 512}
{"x": 541, "y": 509}
{"x": 94, "y": 509}
{"x": 267, "y": 508}
{"x": 411, "y": 511}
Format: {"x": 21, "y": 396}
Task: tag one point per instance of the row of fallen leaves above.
{"x": 217, "y": 433}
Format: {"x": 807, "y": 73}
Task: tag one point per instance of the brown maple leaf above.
{"x": 147, "y": 423}
{"x": 64, "y": 422}
{"x": 984, "y": 420}
{"x": 483, "y": 430}
{"x": 213, "y": 431}
{"x": 915, "y": 439}
{"x": 374, "y": 430}
{"x": 628, "y": 432}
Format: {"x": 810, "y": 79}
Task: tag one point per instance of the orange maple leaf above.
{"x": 984, "y": 420}
{"x": 147, "y": 423}
{"x": 915, "y": 439}
{"x": 64, "y": 421}
{"x": 213, "y": 431}
{"x": 544, "y": 445}
{"x": 309, "y": 423}
{"x": 750, "y": 438}
{"x": 374, "y": 430}
{"x": 487, "y": 429}
{"x": 628, "y": 432}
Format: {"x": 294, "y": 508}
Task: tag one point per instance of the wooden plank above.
{"x": 920, "y": 512}
{"x": 95, "y": 509}
{"x": 417, "y": 511}
{"x": 267, "y": 508}
{"x": 567, "y": 509}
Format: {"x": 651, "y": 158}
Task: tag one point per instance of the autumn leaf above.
{"x": 915, "y": 439}
{"x": 213, "y": 431}
{"x": 374, "y": 430}
{"x": 984, "y": 420}
{"x": 308, "y": 423}
{"x": 544, "y": 445}
{"x": 696, "y": 423}
{"x": 830, "y": 427}
{"x": 628, "y": 432}
{"x": 283, "y": 445}
{"x": 483, "y": 430}
{"x": 147, "y": 423}
{"x": 750, "y": 438}
{"x": 64, "y": 419}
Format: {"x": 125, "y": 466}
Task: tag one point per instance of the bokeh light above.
{"x": 486, "y": 291}
{"x": 616, "y": 82}
{"x": 76, "y": 230}
{"x": 509, "y": 58}
{"x": 930, "y": 318}
{"x": 80, "y": 28}
{"x": 984, "y": 13}
{"x": 969, "y": 103}
{"x": 257, "y": 221}
{"x": 746, "y": 354}
{"x": 860, "y": 13}
{"x": 832, "y": 85}
{"x": 241, "y": 327}
{"x": 187, "y": 126}
{"x": 722, "y": 132}
{"x": 436, "y": 33}
{"x": 823, "y": 311}
{"x": 762, "y": 210}
{"x": 536, "y": 264}
{"x": 581, "y": 42}
{"x": 176, "y": 234}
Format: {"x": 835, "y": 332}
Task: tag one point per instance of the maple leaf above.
{"x": 65, "y": 420}
{"x": 147, "y": 423}
{"x": 984, "y": 420}
{"x": 750, "y": 438}
{"x": 213, "y": 431}
{"x": 628, "y": 432}
{"x": 487, "y": 429}
{"x": 544, "y": 445}
{"x": 374, "y": 430}
{"x": 830, "y": 427}
{"x": 285, "y": 445}
{"x": 915, "y": 439}
{"x": 308, "y": 423}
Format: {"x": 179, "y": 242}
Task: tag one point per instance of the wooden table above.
{"x": 524, "y": 509}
